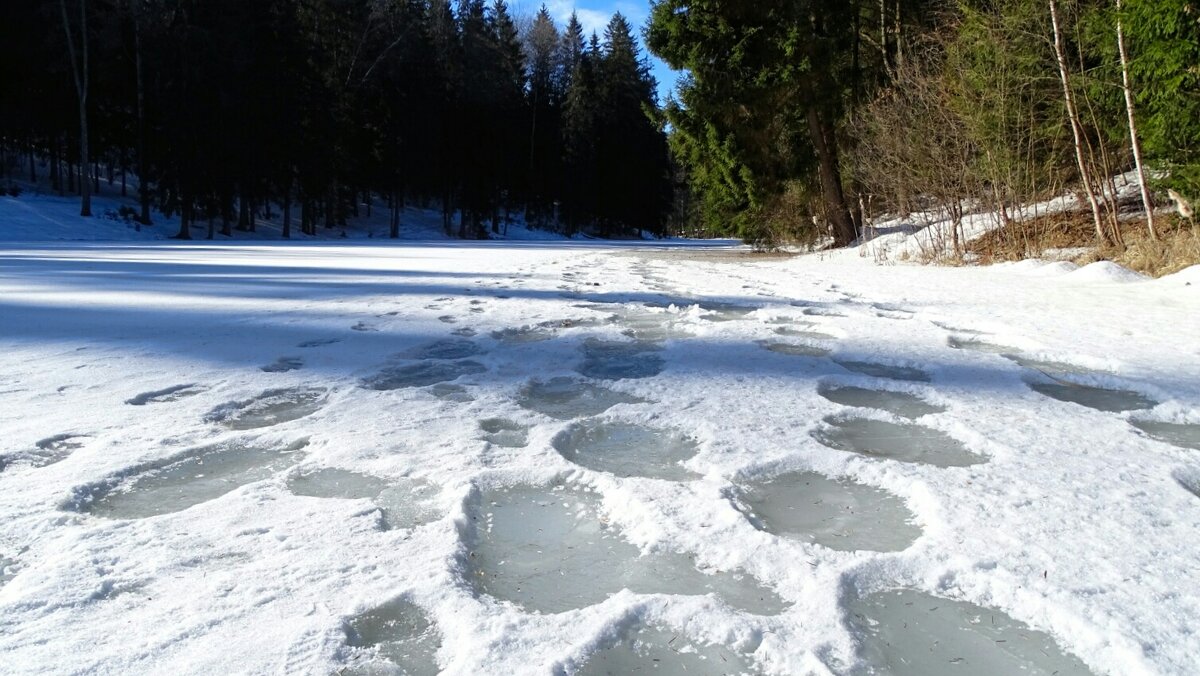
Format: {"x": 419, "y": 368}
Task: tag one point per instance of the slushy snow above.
{"x": 561, "y": 458}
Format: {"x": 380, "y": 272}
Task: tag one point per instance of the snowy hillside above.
{"x": 36, "y": 216}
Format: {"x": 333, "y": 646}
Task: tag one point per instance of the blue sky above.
{"x": 594, "y": 15}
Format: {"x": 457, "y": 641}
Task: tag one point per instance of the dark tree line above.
{"x": 310, "y": 111}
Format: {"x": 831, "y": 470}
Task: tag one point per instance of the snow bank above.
{"x": 1105, "y": 271}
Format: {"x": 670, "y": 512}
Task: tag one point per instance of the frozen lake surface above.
{"x": 573, "y": 458}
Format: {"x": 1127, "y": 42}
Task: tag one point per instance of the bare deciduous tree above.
{"x": 1134, "y": 142}
{"x": 1064, "y": 74}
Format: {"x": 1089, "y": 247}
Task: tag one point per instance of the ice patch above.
{"x": 452, "y": 348}
{"x": 725, "y": 312}
{"x": 977, "y": 345}
{"x": 404, "y": 503}
{"x": 505, "y": 433}
{"x": 166, "y": 395}
{"x": 449, "y": 392}
{"x": 905, "y": 442}
{"x": 283, "y": 365}
{"x": 628, "y": 450}
{"x": 395, "y": 638}
{"x": 606, "y": 360}
{"x": 199, "y": 476}
{"x": 272, "y": 407}
{"x": 421, "y": 374}
{"x": 319, "y": 342}
{"x": 803, "y": 333}
{"x": 566, "y": 398}
{"x": 552, "y": 550}
{"x": 902, "y": 404}
{"x": 1099, "y": 398}
{"x": 61, "y": 443}
{"x": 8, "y": 569}
{"x": 1183, "y": 435}
{"x": 523, "y": 335}
{"x": 909, "y": 633}
{"x": 884, "y": 370}
{"x": 646, "y": 325}
{"x": 793, "y": 349}
{"x": 573, "y": 323}
{"x": 1189, "y": 479}
{"x": 838, "y": 514}
{"x": 650, "y": 650}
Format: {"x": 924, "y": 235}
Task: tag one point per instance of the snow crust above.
{"x": 118, "y": 360}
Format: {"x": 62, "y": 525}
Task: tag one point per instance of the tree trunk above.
{"x": 1076, "y": 125}
{"x": 143, "y": 189}
{"x": 1134, "y": 142}
{"x": 185, "y": 216}
{"x": 397, "y": 206}
{"x": 831, "y": 181}
{"x": 287, "y": 211}
{"x": 79, "y": 69}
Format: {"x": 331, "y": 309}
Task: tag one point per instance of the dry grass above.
{"x": 1177, "y": 247}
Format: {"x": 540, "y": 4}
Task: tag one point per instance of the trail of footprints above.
{"x": 551, "y": 549}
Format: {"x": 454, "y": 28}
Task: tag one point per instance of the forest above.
{"x": 228, "y": 109}
{"x": 799, "y": 121}
{"x": 808, "y": 118}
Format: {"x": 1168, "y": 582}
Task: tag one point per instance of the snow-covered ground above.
{"x": 515, "y": 458}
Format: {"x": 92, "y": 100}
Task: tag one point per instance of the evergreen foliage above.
{"x": 228, "y": 109}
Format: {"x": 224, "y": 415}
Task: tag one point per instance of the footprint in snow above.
{"x": 362, "y": 326}
{"x": 321, "y": 342}
{"x": 283, "y": 365}
{"x": 169, "y": 394}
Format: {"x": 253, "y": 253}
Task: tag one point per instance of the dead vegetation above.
{"x": 1072, "y": 237}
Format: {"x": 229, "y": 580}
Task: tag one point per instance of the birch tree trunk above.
{"x": 1076, "y": 125}
{"x": 1134, "y": 142}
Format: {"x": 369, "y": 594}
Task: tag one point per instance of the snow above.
{"x": 1106, "y": 271}
{"x": 260, "y": 457}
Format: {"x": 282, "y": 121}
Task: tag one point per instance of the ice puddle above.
{"x": 605, "y": 360}
{"x": 504, "y": 433}
{"x": 403, "y": 503}
{"x": 566, "y": 399}
{"x": 1178, "y": 434}
{"x": 841, "y": 515}
{"x": 552, "y": 550}
{"x": 403, "y": 640}
{"x": 1055, "y": 380}
{"x": 906, "y": 442}
{"x": 650, "y": 650}
{"x": 902, "y": 404}
{"x": 909, "y": 633}
{"x": 272, "y": 407}
{"x": 199, "y": 476}
{"x": 628, "y": 450}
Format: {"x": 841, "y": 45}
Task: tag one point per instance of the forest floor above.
{"x": 565, "y": 457}
{"x": 1071, "y": 236}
